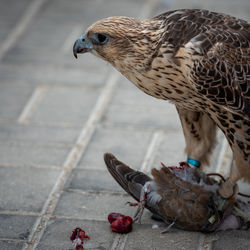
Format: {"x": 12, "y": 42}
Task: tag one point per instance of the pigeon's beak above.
{"x": 82, "y": 45}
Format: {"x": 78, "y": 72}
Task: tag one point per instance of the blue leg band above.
{"x": 193, "y": 162}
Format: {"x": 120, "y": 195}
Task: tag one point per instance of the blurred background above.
{"x": 58, "y": 115}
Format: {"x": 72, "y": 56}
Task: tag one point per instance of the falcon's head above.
{"x": 122, "y": 41}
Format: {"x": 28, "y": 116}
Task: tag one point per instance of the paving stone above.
{"x": 12, "y": 101}
{"x": 56, "y": 74}
{"x": 171, "y": 150}
{"x": 58, "y": 232}
{"x": 232, "y": 240}
{"x": 65, "y": 105}
{"x": 133, "y": 107}
{"x": 25, "y": 188}
{"x": 42, "y": 55}
{"x": 146, "y": 238}
{"x": 31, "y": 154}
{"x": 66, "y": 61}
{"x": 124, "y": 143}
{"x": 39, "y": 44}
{"x": 92, "y": 180}
{"x": 10, "y": 12}
{"x": 41, "y": 134}
{"x": 92, "y": 206}
{"x": 8, "y": 245}
{"x": 16, "y": 226}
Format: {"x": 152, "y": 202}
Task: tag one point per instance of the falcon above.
{"x": 198, "y": 60}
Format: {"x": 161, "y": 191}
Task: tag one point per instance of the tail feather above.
{"x": 130, "y": 180}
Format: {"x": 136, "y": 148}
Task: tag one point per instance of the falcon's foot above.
{"x": 228, "y": 189}
{"x": 227, "y": 194}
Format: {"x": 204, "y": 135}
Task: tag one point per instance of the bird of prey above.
{"x": 198, "y": 60}
{"x": 182, "y": 196}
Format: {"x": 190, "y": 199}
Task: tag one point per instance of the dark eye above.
{"x": 102, "y": 38}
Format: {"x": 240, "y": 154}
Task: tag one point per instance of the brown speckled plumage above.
{"x": 197, "y": 59}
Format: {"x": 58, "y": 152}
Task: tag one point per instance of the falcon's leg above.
{"x": 200, "y": 134}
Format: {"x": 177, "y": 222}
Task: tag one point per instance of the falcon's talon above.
{"x": 228, "y": 189}
{"x": 224, "y": 203}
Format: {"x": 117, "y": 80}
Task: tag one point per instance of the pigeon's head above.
{"x": 122, "y": 41}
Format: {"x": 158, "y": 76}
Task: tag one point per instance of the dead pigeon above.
{"x": 184, "y": 197}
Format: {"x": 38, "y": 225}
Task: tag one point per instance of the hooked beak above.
{"x": 82, "y": 45}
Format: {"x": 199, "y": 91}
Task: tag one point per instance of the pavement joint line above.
{"x": 138, "y": 127}
{"x": 83, "y": 192}
{"x": 152, "y": 148}
{"x": 65, "y": 217}
{"x": 123, "y": 242}
{"x": 19, "y": 212}
{"x": 81, "y": 86}
{"x": 201, "y": 242}
{"x": 49, "y": 66}
{"x": 54, "y": 124}
{"x": 72, "y": 160}
{"x": 20, "y": 27}
{"x": 119, "y": 242}
{"x": 27, "y": 143}
{"x": 13, "y": 240}
{"x": 204, "y": 244}
{"x": 206, "y": 241}
{"x": 8, "y": 165}
{"x": 68, "y": 44}
{"x": 116, "y": 242}
{"x": 36, "y": 96}
{"x": 36, "y": 124}
{"x": 104, "y": 220}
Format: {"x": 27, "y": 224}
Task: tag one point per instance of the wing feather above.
{"x": 219, "y": 48}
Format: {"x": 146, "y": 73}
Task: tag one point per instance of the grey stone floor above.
{"x": 59, "y": 115}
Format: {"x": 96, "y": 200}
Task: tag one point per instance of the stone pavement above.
{"x": 59, "y": 115}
